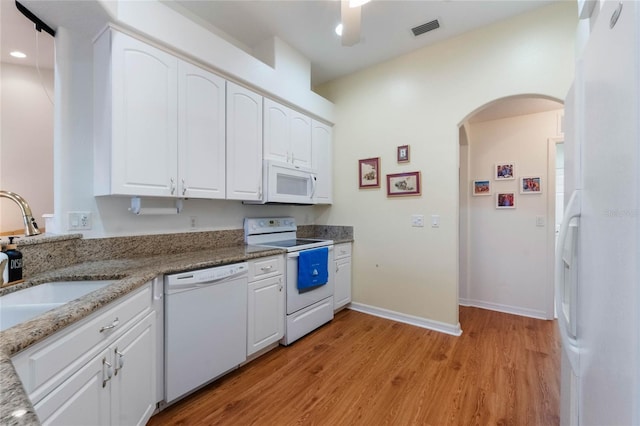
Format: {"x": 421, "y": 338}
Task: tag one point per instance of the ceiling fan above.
{"x": 350, "y": 12}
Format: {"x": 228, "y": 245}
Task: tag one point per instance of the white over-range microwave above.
{"x": 286, "y": 183}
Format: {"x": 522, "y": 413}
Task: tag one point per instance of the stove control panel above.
{"x": 269, "y": 225}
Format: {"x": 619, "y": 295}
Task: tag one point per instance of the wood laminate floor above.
{"x": 364, "y": 370}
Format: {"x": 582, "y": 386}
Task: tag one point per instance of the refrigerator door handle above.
{"x": 568, "y": 329}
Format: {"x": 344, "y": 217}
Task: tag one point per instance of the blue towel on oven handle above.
{"x": 313, "y": 268}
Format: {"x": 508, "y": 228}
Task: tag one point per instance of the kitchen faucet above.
{"x": 30, "y": 225}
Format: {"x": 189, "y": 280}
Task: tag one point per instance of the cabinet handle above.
{"x": 173, "y": 186}
{"x": 113, "y": 325}
{"x": 267, "y": 268}
{"x": 184, "y": 188}
{"x": 108, "y": 370}
{"x": 280, "y": 287}
{"x": 119, "y": 361}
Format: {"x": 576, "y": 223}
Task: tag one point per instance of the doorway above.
{"x": 507, "y": 248}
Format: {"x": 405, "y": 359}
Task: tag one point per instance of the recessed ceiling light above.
{"x": 339, "y": 29}
{"x": 17, "y": 54}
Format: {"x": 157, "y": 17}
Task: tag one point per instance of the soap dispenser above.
{"x": 15, "y": 262}
{"x": 4, "y": 268}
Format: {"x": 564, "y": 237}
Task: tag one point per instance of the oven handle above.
{"x": 295, "y": 254}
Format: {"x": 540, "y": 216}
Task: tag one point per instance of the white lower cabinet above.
{"x": 265, "y": 314}
{"x": 100, "y": 371}
{"x": 342, "y": 277}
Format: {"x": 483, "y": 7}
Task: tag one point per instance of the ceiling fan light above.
{"x": 18, "y": 54}
{"x": 357, "y": 3}
{"x": 339, "y": 29}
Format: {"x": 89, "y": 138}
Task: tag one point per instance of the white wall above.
{"x": 420, "y": 99}
{"x": 26, "y": 143}
{"x": 509, "y": 255}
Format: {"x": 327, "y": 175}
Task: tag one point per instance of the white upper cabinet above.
{"x": 136, "y": 117}
{"x": 164, "y": 127}
{"x": 287, "y": 135}
{"x": 201, "y": 131}
{"x": 322, "y": 162}
{"x": 244, "y": 144}
{"x": 159, "y": 123}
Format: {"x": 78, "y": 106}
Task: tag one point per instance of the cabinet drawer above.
{"x": 48, "y": 363}
{"x": 342, "y": 250}
{"x": 265, "y": 267}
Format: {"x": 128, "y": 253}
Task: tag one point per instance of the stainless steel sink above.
{"x": 26, "y": 304}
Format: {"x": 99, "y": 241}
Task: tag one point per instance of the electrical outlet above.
{"x": 79, "y": 221}
{"x": 417, "y": 220}
{"x": 193, "y": 220}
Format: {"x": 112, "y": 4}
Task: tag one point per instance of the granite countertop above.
{"x": 130, "y": 275}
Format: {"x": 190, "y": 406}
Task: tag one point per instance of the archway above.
{"x": 506, "y": 248}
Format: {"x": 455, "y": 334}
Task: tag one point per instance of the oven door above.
{"x": 299, "y": 299}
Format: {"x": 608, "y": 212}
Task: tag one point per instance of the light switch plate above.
{"x": 435, "y": 220}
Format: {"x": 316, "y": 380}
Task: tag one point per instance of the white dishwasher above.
{"x": 205, "y": 326}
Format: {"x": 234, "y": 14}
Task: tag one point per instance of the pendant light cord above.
{"x": 38, "y": 67}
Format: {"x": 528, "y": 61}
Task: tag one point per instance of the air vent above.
{"x": 429, "y": 26}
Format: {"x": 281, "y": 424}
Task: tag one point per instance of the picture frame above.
{"x": 481, "y": 187}
{"x": 505, "y": 170}
{"x": 530, "y": 185}
{"x": 403, "y": 184}
{"x": 369, "y": 173}
{"x": 505, "y": 200}
{"x": 403, "y": 154}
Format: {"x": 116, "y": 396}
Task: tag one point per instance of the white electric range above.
{"x": 306, "y": 309}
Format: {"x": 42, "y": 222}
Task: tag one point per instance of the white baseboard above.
{"x": 407, "y": 319}
{"x": 507, "y": 309}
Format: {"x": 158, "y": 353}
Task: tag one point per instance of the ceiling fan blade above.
{"x": 350, "y": 23}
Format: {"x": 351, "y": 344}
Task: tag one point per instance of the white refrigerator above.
{"x": 598, "y": 253}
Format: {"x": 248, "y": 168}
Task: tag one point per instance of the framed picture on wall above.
{"x": 531, "y": 185}
{"x": 400, "y": 184}
{"x": 506, "y": 200}
{"x": 481, "y": 187}
{"x": 504, "y": 171}
{"x": 369, "y": 173}
{"x": 403, "y": 154}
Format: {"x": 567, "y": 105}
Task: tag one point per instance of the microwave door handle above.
{"x": 313, "y": 185}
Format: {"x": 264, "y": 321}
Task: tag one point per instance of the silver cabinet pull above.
{"x": 184, "y": 188}
{"x": 119, "y": 361}
{"x": 108, "y": 369}
{"x": 267, "y": 268}
{"x": 113, "y": 325}
{"x": 173, "y": 186}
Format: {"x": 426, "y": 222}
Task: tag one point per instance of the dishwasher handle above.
{"x": 205, "y": 277}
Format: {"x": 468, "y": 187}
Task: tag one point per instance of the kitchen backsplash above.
{"x": 45, "y": 252}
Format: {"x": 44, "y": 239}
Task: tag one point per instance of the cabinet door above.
{"x": 342, "y": 289}
{"x": 276, "y": 131}
{"x": 244, "y": 144}
{"x": 145, "y": 115}
{"x": 265, "y": 313}
{"x": 201, "y": 126}
{"x": 81, "y": 400}
{"x": 300, "y": 140}
{"x": 322, "y": 162}
{"x": 133, "y": 385}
